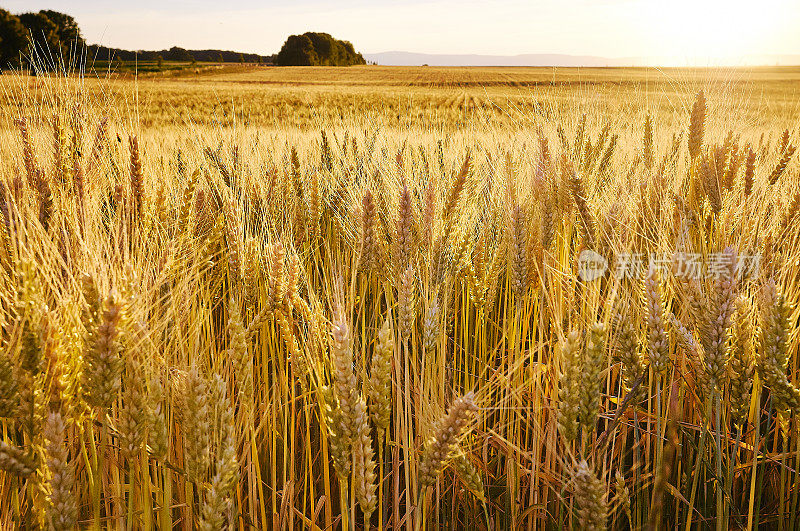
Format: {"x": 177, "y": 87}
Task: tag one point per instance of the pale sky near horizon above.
{"x": 682, "y": 31}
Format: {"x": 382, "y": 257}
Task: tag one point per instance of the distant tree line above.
{"x": 103, "y": 53}
{"x": 317, "y": 49}
{"x": 50, "y": 35}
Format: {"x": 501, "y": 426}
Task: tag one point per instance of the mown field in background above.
{"x": 355, "y": 298}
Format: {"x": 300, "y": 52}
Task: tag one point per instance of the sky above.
{"x": 676, "y": 31}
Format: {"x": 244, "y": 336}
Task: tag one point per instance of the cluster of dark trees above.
{"x": 313, "y": 49}
{"x": 102, "y": 53}
{"x": 46, "y": 33}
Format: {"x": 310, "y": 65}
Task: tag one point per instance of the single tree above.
{"x": 298, "y": 50}
{"x": 42, "y": 34}
{"x": 68, "y": 31}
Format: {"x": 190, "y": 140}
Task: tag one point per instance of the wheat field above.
{"x": 400, "y": 298}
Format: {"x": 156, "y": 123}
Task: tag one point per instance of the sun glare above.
{"x": 713, "y": 32}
